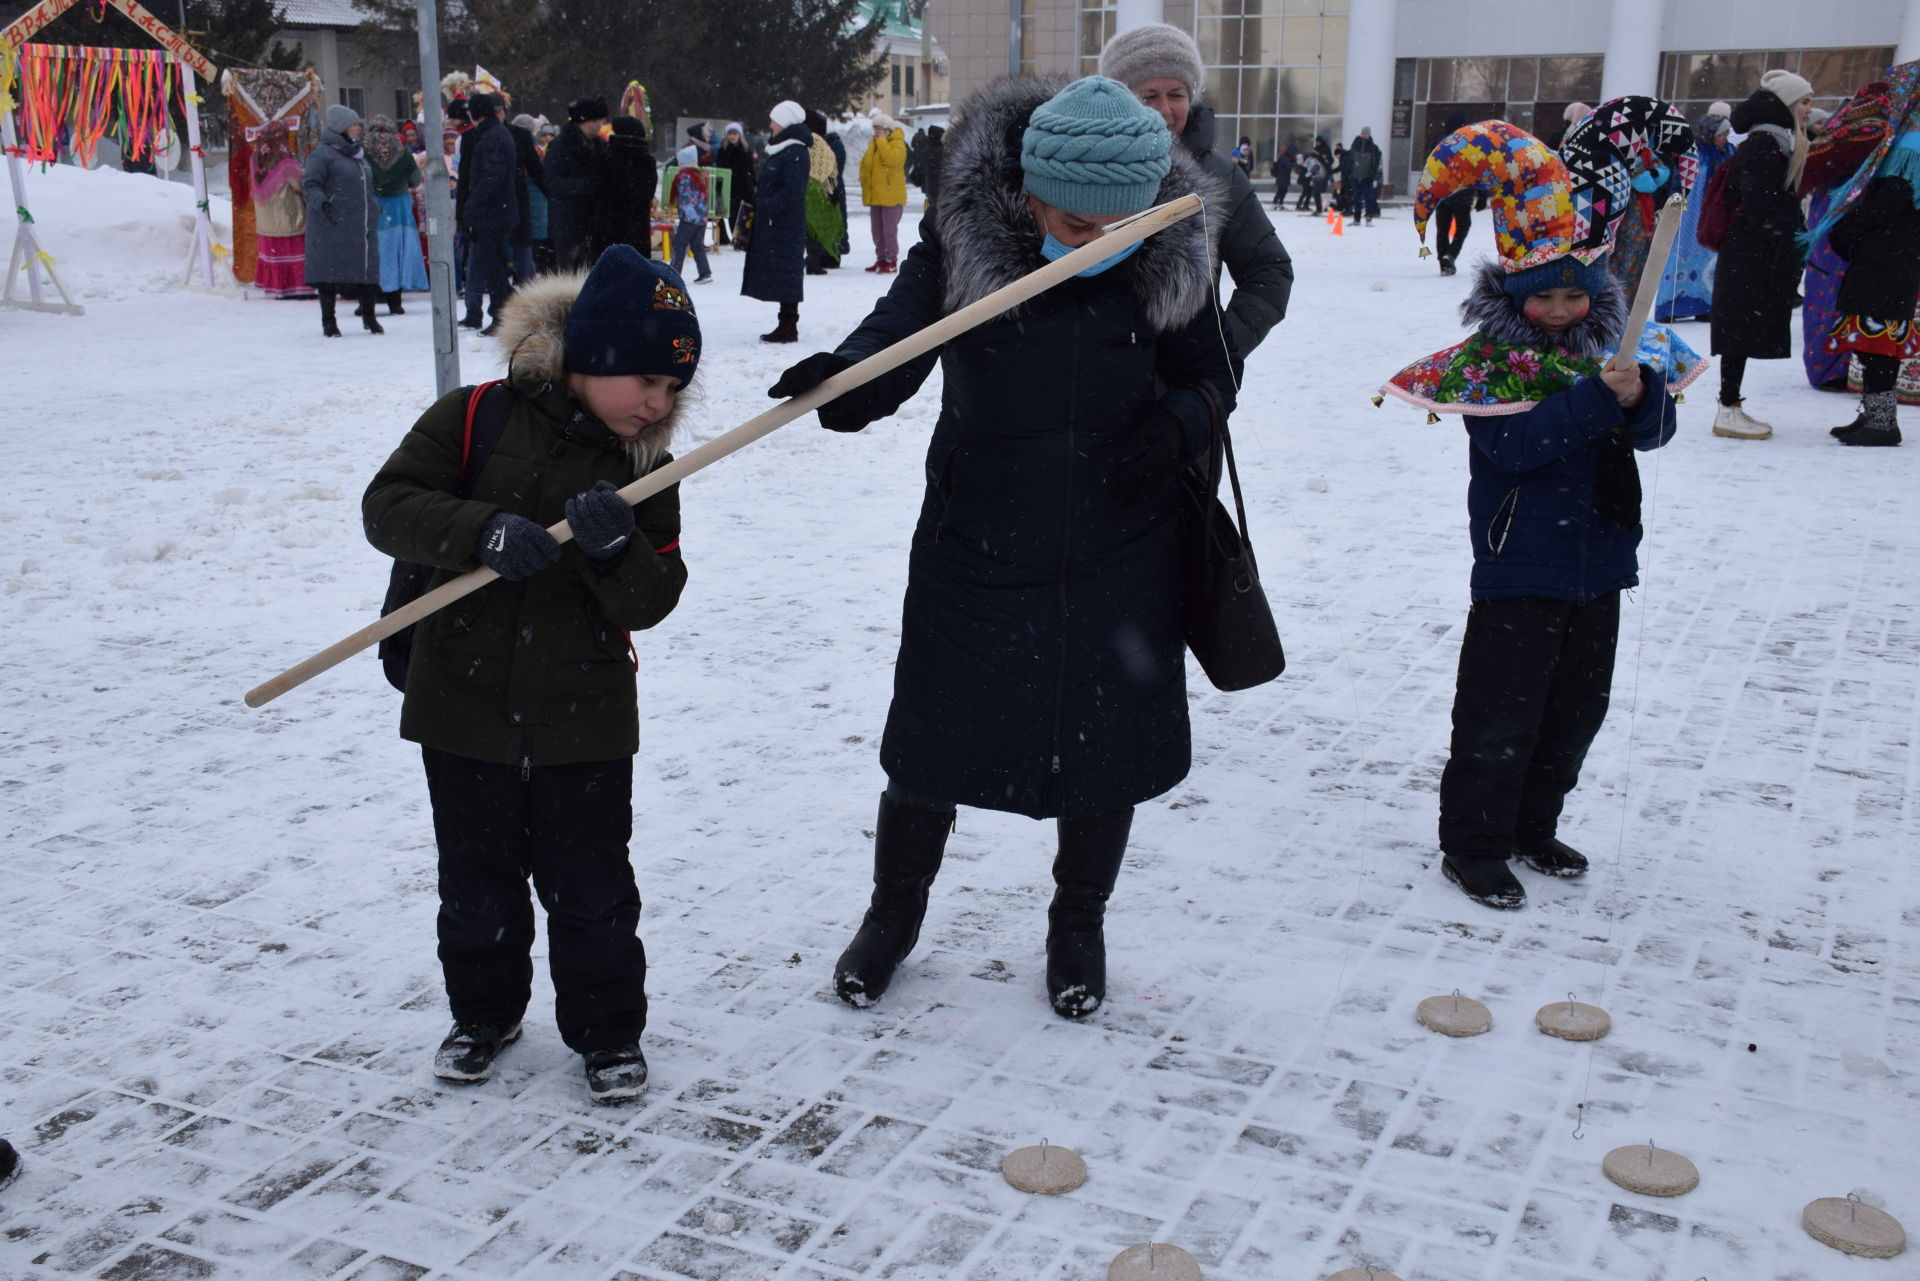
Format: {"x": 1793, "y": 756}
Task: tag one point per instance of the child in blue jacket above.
{"x": 1553, "y": 507}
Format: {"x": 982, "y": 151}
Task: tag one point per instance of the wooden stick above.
{"x": 1648, "y": 290}
{"x": 1116, "y": 237}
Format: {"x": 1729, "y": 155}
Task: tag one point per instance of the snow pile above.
{"x": 113, "y": 233}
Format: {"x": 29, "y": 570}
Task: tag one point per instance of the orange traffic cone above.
{"x": 1339, "y": 224}
{"x": 1330, "y": 213}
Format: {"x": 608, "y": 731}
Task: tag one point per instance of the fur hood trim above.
{"x": 988, "y": 237}
{"x": 533, "y": 339}
{"x": 1490, "y": 309}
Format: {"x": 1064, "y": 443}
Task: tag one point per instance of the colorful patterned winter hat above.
{"x": 1530, "y": 198}
{"x": 1603, "y": 153}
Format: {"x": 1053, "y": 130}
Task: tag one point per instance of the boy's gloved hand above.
{"x": 1150, "y": 459}
{"x": 849, "y": 412}
{"x": 601, "y": 520}
{"x": 514, "y": 547}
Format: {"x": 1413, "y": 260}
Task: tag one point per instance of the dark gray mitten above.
{"x": 601, "y": 520}
{"x": 514, "y": 547}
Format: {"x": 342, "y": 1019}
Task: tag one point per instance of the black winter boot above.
{"x": 1553, "y": 857}
{"x": 1084, "y": 871}
{"x": 908, "y": 844}
{"x": 329, "y": 324}
{"x": 393, "y": 304}
{"x": 1487, "y": 881}
{"x": 1879, "y": 422}
{"x": 365, "y": 312}
{"x": 468, "y": 1053}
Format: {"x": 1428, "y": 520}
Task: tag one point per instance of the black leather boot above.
{"x": 1091, "y": 850}
{"x": 393, "y": 304}
{"x": 329, "y": 324}
{"x": 367, "y": 319}
{"x": 908, "y": 844}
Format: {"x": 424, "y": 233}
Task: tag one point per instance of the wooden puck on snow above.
{"x": 1651, "y": 1171}
{"x": 1571, "y": 1020}
{"x": 1047, "y": 1170}
{"x": 1454, "y": 1015}
{"x": 1156, "y": 1261}
{"x": 1853, "y": 1228}
{"x": 1363, "y": 1273}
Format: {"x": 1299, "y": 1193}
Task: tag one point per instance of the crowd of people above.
{"x": 1041, "y": 663}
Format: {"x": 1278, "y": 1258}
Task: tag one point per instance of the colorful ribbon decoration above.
{"x": 92, "y": 93}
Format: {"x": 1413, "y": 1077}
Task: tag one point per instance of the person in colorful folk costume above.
{"x": 522, "y": 696}
{"x": 1852, "y": 137}
{"x": 1553, "y": 503}
{"x": 1686, "y": 286}
{"x": 395, "y": 176}
{"x": 1876, "y": 230}
{"x": 1756, "y": 285}
{"x": 279, "y": 212}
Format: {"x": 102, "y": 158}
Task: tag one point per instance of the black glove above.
{"x": 514, "y": 547}
{"x": 1149, "y": 460}
{"x": 849, "y": 412}
{"x": 602, "y": 521}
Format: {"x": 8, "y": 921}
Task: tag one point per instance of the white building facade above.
{"x": 1287, "y": 71}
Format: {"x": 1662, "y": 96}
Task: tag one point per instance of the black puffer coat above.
{"x": 343, "y": 218}
{"x": 1250, "y": 249}
{"x": 776, "y": 255}
{"x": 1041, "y": 667}
{"x": 574, "y": 168}
{"x": 1880, "y": 239}
{"x": 1757, "y": 280}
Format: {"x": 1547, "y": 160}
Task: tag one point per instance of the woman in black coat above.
{"x": 777, "y": 252}
{"x": 1879, "y": 237}
{"x": 1756, "y": 285}
{"x": 574, "y": 167}
{"x": 1041, "y": 667}
{"x": 736, "y": 157}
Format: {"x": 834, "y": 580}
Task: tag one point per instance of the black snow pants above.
{"x": 568, "y": 827}
{"x": 1535, "y": 677}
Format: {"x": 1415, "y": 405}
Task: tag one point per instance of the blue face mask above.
{"x": 1648, "y": 183}
{"x": 1053, "y": 251}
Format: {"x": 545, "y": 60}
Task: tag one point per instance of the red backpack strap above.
{"x": 473, "y": 407}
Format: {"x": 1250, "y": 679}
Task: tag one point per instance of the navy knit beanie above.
{"x": 1094, "y": 148}
{"x": 632, "y": 316}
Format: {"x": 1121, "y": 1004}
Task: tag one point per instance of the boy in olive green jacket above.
{"x": 522, "y": 695}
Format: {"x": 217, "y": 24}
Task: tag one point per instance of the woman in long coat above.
{"x": 574, "y": 167}
{"x": 343, "y": 221}
{"x": 777, "y": 252}
{"x": 1756, "y": 285}
{"x": 1686, "y": 287}
{"x": 1041, "y": 667}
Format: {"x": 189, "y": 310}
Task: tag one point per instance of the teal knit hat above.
{"x": 1094, "y": 148}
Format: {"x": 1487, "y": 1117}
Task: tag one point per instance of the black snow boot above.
{"x": 1879, "y": 422}
{"x": 1084, "y": 871}
{"x": 9, "y": 1162}
{"x": 908, "y": 844}
{"x": 468, "y": 1053}
{"x": 1553, "y": 858}
{"x": 1487, "y": 881}
{"x": 393, "y": 304}
{"x": 616, "y": 1076}
{"x": 329, "y": 323}
{"x": 367, "y": 318}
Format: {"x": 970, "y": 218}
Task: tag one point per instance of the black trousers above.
{"x": 1534, "y": 682}
{"x": 568, "y": 827}
{"x": 1450, "y": 231}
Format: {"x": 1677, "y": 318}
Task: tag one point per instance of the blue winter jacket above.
{"x": 1530, "y": 503}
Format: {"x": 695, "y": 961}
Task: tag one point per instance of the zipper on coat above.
{"x": 1066, "y": 545}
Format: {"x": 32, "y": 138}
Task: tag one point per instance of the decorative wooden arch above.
{"x": 27, "y": 254}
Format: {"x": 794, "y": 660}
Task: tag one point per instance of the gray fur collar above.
{"x": 1491, "y": 310}
{"x": 988, "y": 237}
{"x": 533, "y": 339}
{"x": 1779, "y": 135}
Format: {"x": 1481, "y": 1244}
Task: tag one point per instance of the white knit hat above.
{"x": 1150, "y": 51}
{"x": 1786, "y": 86}
{"x": 787, "y": 114}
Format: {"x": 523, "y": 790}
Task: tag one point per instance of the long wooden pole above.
{"x": 1647, "y": 291}
{"x": 1117, "y": 237}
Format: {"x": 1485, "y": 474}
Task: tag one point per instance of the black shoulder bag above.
{"x": 487, "y": 408}
{"x": 1223, "y": 609}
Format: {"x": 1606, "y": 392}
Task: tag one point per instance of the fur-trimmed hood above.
{"x": 533, "y": 340}
{"x": 989, "y": 240}
{"x": 1490, "y": 309}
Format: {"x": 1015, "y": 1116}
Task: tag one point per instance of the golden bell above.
{"x": 1425, "y": 252}
{"x": 1679, "y": 397}
{"x": 1433, "y": 417}
{"x": 1379, "y": 401}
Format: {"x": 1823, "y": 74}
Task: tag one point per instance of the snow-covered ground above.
{"x": 219, "y": 994}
